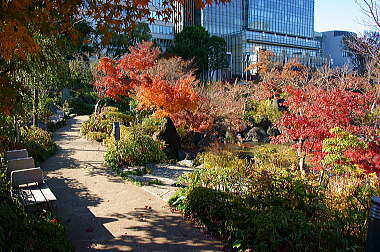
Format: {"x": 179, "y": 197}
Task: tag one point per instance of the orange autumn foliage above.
{"x": 117, "y": 78}
{"x": 21, "y": 20}
{"x": 167, "y": 99}
{"x": 156, "y": 92}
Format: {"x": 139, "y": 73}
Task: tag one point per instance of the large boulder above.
{"x": 273, "y": 131}
{"x": 191, "y": 139}
{"x": 257, "y": 134}
{"x": 186, "y": 155}
{"x": 169, "y": 134}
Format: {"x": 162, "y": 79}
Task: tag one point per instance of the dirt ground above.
{"x": 101, "y": 211}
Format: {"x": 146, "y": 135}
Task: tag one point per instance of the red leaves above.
{"x": 313, "y": 111}
{"x": 366, "y": 159}
{"x": 116, "y": 78}
{"x": 157, "y": 92}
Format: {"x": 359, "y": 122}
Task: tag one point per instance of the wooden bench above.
{"x": 61, "y": 114}
{"x": 19, "y": 164}
{"x": 14, "y": 154}
{"x": 29, "y": 186}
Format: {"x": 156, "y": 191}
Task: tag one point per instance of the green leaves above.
{"x": 194, "y": 42}
{"x": 335, "y": 148}
{"x": 134, "y": 149}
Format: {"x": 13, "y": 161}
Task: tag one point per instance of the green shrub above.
{"x": 150, "y": 125}
{"x": 334, "y": 147}
{"x": 38, "y": 142}
{"x": 258, "y": 110}
{"x": 7, "y": 133}
{"x": 96, "y": 124}
{"x": 134, "y": 148}
{"x": 109, "y": 109}
{"x": 120, "y": 117}
{"x": 222, "y": 170}
{"x": 96, "y": 136}
{"x": 254, "y": 205}
{"x": 99, "y": 127}
{"x": 275, "y": 155}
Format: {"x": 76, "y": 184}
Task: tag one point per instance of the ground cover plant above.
{"x": 313, "y": 193}
{"x": 265, "y": 206}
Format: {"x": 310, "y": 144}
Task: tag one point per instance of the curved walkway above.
{"x": 100, "y": 211}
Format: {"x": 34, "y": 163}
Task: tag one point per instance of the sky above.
{"x": 339, "y": 15}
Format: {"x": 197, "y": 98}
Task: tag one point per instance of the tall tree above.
{"x": 128, "y": 76}
{"x": 120, "y": 42}
{"x": 192, "y": 43}
{"x": 217, "y": 53}
{"x": 20, "y": 20}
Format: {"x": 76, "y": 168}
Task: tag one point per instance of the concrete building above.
{"x": 333, "y": 48}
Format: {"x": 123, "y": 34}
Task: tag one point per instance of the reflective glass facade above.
{"x": 223, "y": 19}
{"x": 285, "y": 27}
{"x": 290, "y": 17}
{"x": 162, "y": 32}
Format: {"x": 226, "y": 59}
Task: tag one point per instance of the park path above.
{"x": 101, "y": 211}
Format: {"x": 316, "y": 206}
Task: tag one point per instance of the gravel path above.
{"x": 100, "y": 211}
{"x": 167, "y": 175}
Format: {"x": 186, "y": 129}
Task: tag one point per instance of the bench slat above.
{"x": 20, "y": 163}
{"x": 13, "y": 154}
{"x": 26, "y": 176}
{"x": 37, "y": 194}
{"x": 47, "y": 192}
{"x": 26, "y": 196}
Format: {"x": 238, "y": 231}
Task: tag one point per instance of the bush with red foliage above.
{"x": 156, "y": 91}
{"x": 313, "y": 111}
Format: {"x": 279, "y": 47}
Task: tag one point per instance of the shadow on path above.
{"x": 101, "y": 211}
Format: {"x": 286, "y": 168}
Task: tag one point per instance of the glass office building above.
{"x": 162, "y": 32}
{"x": 285, "y": 27}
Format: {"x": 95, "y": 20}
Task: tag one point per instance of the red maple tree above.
{"x": 313, "y": 111}
{"x": 156, "y": 92}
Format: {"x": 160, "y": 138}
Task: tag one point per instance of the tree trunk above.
{"x": 17, "y": 130}
{"x": 301, "y": 164}
{"x": 98, "y": 107}
{"x": 35, "y": 107}
{"x": 301, "y": 156}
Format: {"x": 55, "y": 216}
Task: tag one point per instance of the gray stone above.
{"x": 273, "y": 131}
{"x": 186, "y": 162}
{"x": 169, "y": 134}
{"x": 257, "y": 134}
{"x": 184, "y": 154}
{"x": 230, "y": 137}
